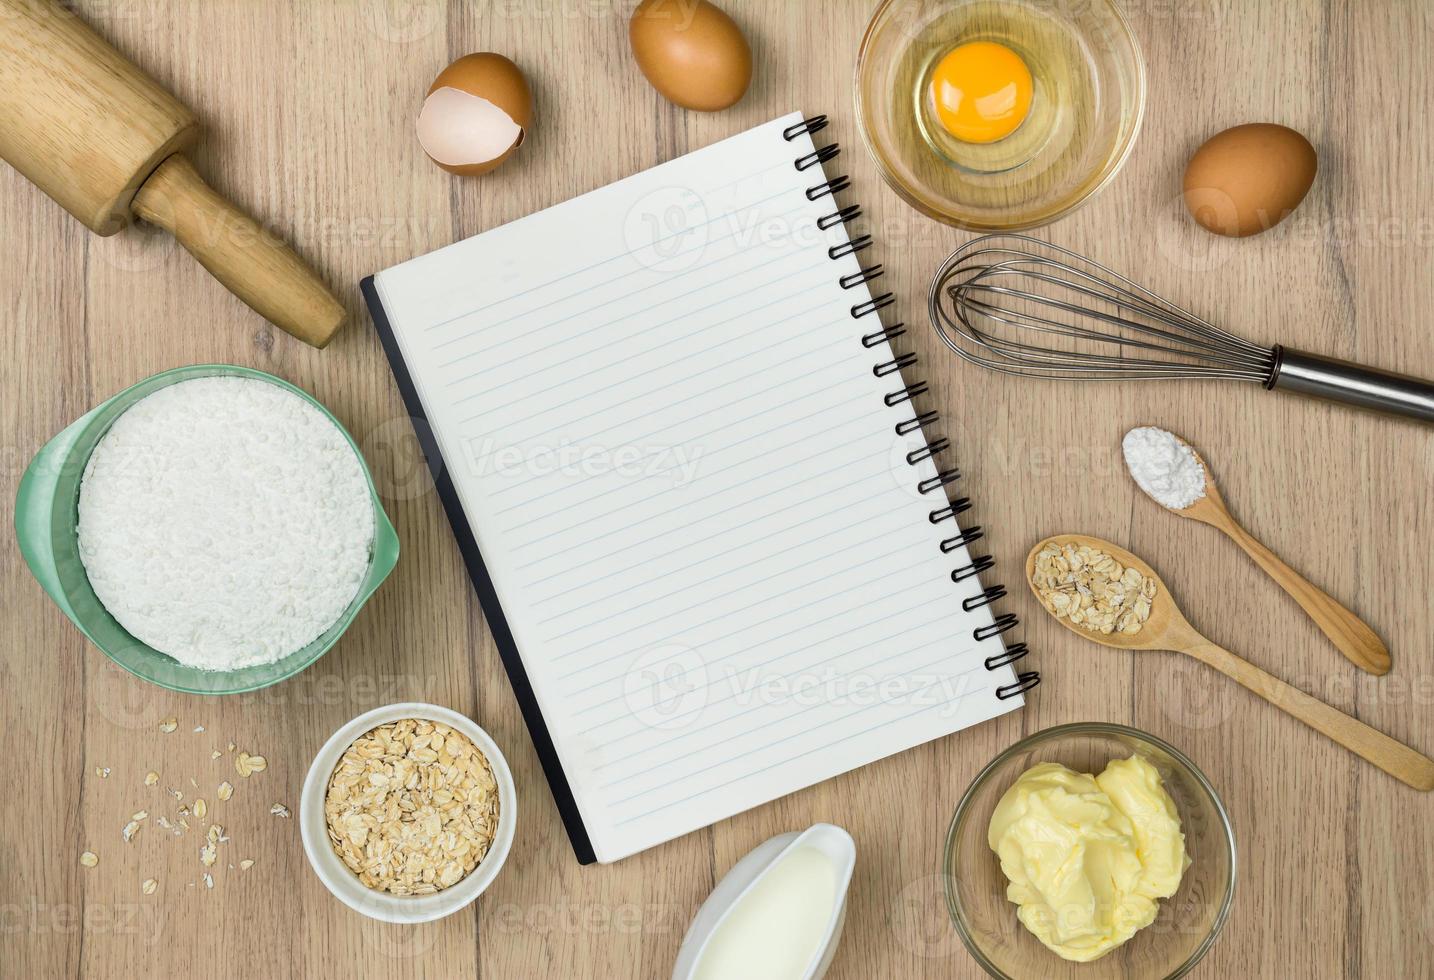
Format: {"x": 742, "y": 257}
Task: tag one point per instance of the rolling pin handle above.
{"x": 253, "y": 264}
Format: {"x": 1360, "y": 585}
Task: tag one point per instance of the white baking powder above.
{"x": 225, "y": 522}
{"x": 1165, "y": 467}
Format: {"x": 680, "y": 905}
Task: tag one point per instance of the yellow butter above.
{"x": 1087, "y": 857}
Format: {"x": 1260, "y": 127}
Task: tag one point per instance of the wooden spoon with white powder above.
{"x": 1175, "y": 476}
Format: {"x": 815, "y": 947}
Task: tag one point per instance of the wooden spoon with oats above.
{"x": 1073, "y": 565}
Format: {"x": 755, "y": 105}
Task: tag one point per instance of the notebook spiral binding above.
{"x": 1011, "y": 652}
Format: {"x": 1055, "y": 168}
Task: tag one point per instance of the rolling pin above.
{"x": 107, "y": 143}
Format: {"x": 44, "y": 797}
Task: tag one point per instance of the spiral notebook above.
{"x": 703, "y": 516}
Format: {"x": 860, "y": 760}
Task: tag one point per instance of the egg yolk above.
{"x": 981, "y": 91}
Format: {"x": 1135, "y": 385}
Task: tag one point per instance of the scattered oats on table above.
{"x": 151, "y": 777}
{"x": 244, "y": 764}
{"x": 148, "y": 886}
{"x": 168, "y": 725}
{"x": 412, "y": 807}
{"x": 226, "y": 790}
{"x": 89, "y": 859}
{"x": 1092, "y": 590}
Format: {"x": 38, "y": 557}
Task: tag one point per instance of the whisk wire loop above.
{"x": 1014, "y": 304}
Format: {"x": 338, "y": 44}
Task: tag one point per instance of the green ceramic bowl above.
{"x": 46, "y": 511}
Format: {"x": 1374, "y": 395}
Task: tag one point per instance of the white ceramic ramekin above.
{"x": 342, "y": 882}
{"x": 739, "y": 882}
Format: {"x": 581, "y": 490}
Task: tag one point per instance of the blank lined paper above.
{"x": 679, "y": 466}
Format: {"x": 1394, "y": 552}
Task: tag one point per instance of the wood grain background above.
{"x": 309, "y": 108}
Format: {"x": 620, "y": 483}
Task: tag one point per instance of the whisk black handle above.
{"x": 1353, "y": 384}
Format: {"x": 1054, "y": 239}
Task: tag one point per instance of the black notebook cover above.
{"x": 483, "y": 583}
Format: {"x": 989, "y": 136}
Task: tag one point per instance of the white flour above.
{"x": 1164, "y": 467}
{"x": 225, "y": 522}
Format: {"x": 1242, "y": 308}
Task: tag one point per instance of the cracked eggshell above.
{"x": 476, "y": 114}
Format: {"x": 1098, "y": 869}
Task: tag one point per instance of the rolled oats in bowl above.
{"x": 412, "y": 807}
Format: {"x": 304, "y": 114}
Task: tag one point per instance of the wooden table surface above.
{"x": 309, "y": 110}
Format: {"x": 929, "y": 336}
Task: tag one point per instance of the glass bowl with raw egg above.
{"x": 1075, "y": 812}
{"x": 999, "y": 115}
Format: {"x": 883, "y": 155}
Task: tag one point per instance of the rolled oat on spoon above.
{"x": 1167, "y": 629}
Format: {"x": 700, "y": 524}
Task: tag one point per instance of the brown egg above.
{"x": 475, "y": 114}
{"x": 692, "y": 53}
{"x": 1247, "y": 179}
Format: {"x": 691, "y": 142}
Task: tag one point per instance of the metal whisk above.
{"x": 1022, "y": 306}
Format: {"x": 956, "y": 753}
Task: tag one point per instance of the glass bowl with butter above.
{"x": 1089, "y": 851}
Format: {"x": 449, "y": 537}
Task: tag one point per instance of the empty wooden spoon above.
{"x": 1167, "y": 629}
{"x": 1352, "y": 635}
